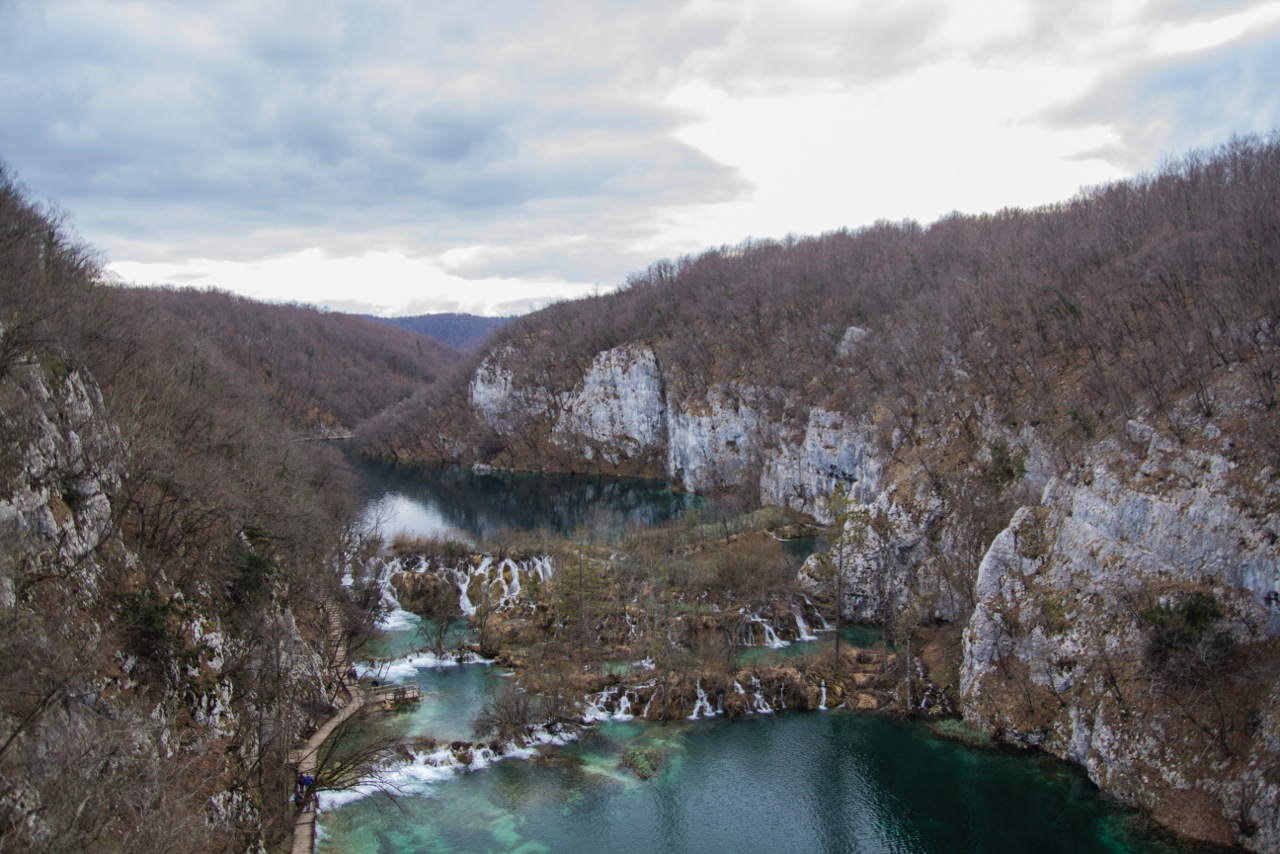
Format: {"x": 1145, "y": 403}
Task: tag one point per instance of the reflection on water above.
{"x": 817, "y": 782}
{"x": 442, "y": 500}
{"x": 789, "y": 782}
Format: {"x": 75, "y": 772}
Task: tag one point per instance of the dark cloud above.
{"x": 1166, "y": 108}
{"x": 168, "y": 122}
{"x": 251, "y": 129}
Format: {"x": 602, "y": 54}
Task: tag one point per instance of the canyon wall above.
{"x": 1059, "y": 567}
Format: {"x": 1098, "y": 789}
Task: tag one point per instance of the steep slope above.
{"x": 327, "y": 371}
{"x": 165, "y": 549}
{"x": 1058, "y": 427}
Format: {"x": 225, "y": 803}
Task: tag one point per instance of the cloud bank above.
{"x": 396, "y": 156}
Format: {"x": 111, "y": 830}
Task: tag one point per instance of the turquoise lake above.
{"x": 831, "y": 781}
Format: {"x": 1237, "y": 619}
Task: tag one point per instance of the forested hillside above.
{"x": 167, "y": 551}
{"x": 1048, "y": 439}
{"x": 1073, "y": 317}
{"x": 327, "y": 371}
{"x": 465, "y": 332}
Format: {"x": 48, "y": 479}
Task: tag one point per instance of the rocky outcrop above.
{"x": 504, "y": 403}
{"x": 621, "y": 415}
{"x": 1060, "y": 654}
{"x": 618, "y": 411}
{"x": 834, "y": 452}
{"x": 61, "y": 463}
{"x": 717, "y": 441}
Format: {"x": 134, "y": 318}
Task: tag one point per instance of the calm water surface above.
{"x": 807, "y": 782}
{"x": 442, "y": 500}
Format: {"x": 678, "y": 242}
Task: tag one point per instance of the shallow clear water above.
{"x": 816, "y": 782}
{"x": 803, "y": 782}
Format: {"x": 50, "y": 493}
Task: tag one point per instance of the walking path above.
{"x": 304, "y": 758}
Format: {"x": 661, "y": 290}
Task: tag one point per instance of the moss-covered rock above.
{"x": 643, "y": 761}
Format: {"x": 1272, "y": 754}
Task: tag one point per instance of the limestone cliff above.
{"x": 60, "y": 465}
{"x": 1056, "y": 428}
{"x": 1061, "y": 653}
{"x": 617, "y": 411}
{"x": 126, "y": 710}
{"x": 1055, "y": 640}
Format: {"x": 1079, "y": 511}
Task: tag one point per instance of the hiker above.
{"x": 309, "y": 793}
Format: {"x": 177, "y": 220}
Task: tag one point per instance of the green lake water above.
{"x": 805, "y": 782}
{"x": 792, "y": 782}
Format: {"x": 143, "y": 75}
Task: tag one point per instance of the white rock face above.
{"x": 500, "y": 401}
{"x": 715, "y": 442}
{"x": 619, "y": 408}
{"x": 55, "y": 506}
{"x": 849, "y": 341}
{"x": 833, "y": 453}
{"x": 1054, "y": 651}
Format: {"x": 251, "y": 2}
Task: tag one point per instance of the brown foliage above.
{"x": 223, "y": 520}
{"x": 1129, "y": 299}
{"x": 325, "y": 370}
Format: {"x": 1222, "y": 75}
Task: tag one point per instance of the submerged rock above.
{"x": 643, "y": 761}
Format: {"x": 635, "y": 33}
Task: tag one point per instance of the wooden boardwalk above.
{"x": 304, "y": 758}
{"x": 393, "y": 697}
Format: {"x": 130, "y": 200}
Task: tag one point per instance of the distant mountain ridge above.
{"x": 327, "y": 371}
{"x": 465, "y": 332}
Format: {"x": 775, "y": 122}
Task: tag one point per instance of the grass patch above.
{"x": 959, "y": 730}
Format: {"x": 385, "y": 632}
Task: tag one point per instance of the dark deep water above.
{"x": 803, "y": 782}
{"x": 429, "y": 500}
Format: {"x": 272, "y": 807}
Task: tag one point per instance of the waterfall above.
{"x": 822, "y": 702}
{"x": 703, "y": 705}
{"x": 514, "y": 588}
{"x": 826, "y": 626}
{"x": 761, "y": 704}
{"x": 801, "y": 626}
{"x": 396, "y": 617}
{"x": 738, "y": 689}
{"x": 771, "y": 638}
{"x": 596, "y": 706}
{"x": 464, "y": 601}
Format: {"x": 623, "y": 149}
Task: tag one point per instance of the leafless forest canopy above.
{"x": 1071, "y": 318}
{"x": 1156, "y": 297}
{"x": 221, "y": 525}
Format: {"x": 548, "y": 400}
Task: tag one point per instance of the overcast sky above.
{"x": 490, "y": 156}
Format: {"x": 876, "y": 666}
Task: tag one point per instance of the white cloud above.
{"x": 399, "y": 156}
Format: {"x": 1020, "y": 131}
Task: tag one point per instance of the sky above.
{"x": 404, "y": 157}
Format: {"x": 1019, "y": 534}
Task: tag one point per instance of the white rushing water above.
{"x": 703, "y": 706}
{"x": 802, "y": 627}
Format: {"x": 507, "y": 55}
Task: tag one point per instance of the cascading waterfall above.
{"x": 771, "y": 638}
{"x": 822, "y": 701}
{"x": 500, "y": 582}
{"x": 826, "y": 626}
{"x": 464, "y": 601}
{"x": 761, "y": 704}
{"x": 703, "y": 705}
{"x": 596, "y": 706}
{"x": 802, "y": 628}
